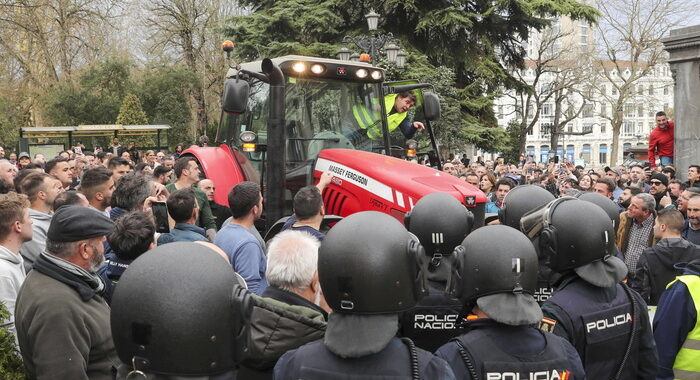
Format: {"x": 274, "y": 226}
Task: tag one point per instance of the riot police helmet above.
{"x": 441, "y": 223}
{"x": 576, "y": 236}
{"x": 368, "y": 263}
{"x": 180, "y": 310}
{"x": 519, "y": 201}
{"x": 607, "y": 204}
{"x": 369, "y": 267}
{"x": 495, "y": 268}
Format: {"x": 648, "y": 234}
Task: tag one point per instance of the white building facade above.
{"x": 651, "y": 93}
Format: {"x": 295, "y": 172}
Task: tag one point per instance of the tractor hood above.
{"x": 365, "y": 180}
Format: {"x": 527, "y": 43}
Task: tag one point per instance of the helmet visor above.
{"x": 532, "y": 223}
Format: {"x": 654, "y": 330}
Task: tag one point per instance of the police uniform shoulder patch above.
{"x": 547, "y": 324}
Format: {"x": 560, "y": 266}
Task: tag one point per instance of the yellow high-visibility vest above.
{"x": 687, "y": 363}
{"x": 371, "y": 121}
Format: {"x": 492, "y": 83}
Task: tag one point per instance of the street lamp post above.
{"x": 374, "y": 44}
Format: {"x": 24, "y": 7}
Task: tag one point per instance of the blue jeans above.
{"x": 666, "y": 160}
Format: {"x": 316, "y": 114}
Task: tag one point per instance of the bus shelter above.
{"x": 57, "y": 138}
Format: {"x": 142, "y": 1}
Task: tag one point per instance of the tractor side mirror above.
{"x": 235, "y": 99}
{"x": 431, "y": 106}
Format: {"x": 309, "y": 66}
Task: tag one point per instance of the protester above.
{"x": 119, "y": 167}
{"x": 615, "y": 175}
{"x": 487, "y": 184}
{"x": 15, "y": 229}
{"x": 62, "y": 320}
{"x": 292, "y": 310}
{"x": 691, "y": 228}
{"x": 658, "y": 188}
{"x": 162, "y": 174}
{"x": 626, "y": 197}
{"x": 70, "y": 198}
{"x": 245, "y": 251}
{"x": 503, "y": 186}
{"x": 220, "y": 212}
{"x": 8, "y": 172}
{"x": 661, "y": 141}
{"x": 60, "y": 168}
{"x": 693, "y": 176}
{"x": 41, "y": 189}
{"x": 187, "y": 173}
{"x": 586, "y": 182}
{"x": 656, "y": 267}
{"x": 132, "y": 236}
{"x": 182, "y": 207}
{"x": 98, "y": 187}
{"x": 24, "y": 159}
{"x": 636, "y": 230}
{"x": 688, "y": 193}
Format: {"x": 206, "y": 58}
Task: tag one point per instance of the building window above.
{"x": 640, "y": 90}
{"x": 602, "y": 128}
{"x": 500, "y": 112}
{"x": 544, "y": 130}
{"x": 570, "y": 127}
{"x": 628, "y": 128}
{"x": 640, "y": 110}
{"x": 651, "y": 90}
{"x": 588, "y": 110}
{"x": 586, "y": 152}
{"x": 603, "y": 155}
{"x": 531, "y": 131}
{"x": 651, "y": 126}
{"x": 570, "y": 153}
{"x": 530, "y": 151}
{"x": 626, "y": 148}
{"x": 629, "y": 110}
{"x": 546, "y": 109}
{"x": 544, "y": 153}
{"x": 665, "y": 90}
{"x": 614, "y": 89}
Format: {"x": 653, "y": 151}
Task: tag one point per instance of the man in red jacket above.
{"x": 661, "y": 140}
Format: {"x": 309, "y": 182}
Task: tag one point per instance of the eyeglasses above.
{"x": 655, "y": 183}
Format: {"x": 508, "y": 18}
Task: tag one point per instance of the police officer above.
{"x": 180, "y": 312}
{"x": 369, "y": 270}
{"x": 519, "y": 201}
{"x": 441, "y": 223}
{"x": 494, "y": 275}
{"x": 604, "y": 319}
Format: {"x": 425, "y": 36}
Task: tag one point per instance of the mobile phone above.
{"x": 160, "y": 214}
{"x": 556, "y": 159}
{"x": 78, "y": 149}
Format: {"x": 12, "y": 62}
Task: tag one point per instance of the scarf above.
{"x": 85, "y": 283}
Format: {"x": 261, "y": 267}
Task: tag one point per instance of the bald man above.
{"x": 220, "y": 212}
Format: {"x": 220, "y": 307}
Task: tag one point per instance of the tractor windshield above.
{"x": 319, "y": 114}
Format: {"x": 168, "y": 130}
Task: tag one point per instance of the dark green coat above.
{"x": 60, "y": 335}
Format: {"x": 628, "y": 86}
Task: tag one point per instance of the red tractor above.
{"x": 287, "y": 120}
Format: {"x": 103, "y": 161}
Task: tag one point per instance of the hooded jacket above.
{"x": 11, "y": 278}
{"x": 277, "y": 327}
{"x": 655, "y": 269}
{"x": 31, "y": 249}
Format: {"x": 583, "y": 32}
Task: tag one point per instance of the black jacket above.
{"x": 281, "y": 321}
{"x": 655, "y": 268}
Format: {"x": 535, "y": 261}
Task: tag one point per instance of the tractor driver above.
{"x": 397, "y": 106}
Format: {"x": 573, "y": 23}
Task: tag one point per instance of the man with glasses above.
{"x": 658, "y": 185}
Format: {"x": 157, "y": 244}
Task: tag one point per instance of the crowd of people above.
{"x": 565, "y": 281}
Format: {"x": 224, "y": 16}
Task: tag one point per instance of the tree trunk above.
{"x": 523, "y": 137}
{"x": 554, "y": 131}
{"x": 616, "y": 126}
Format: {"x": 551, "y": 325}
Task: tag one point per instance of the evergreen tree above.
{"x": 131, "y": 113}
{"x": 11, "y": 366}
{"x": 480, "y": 41}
